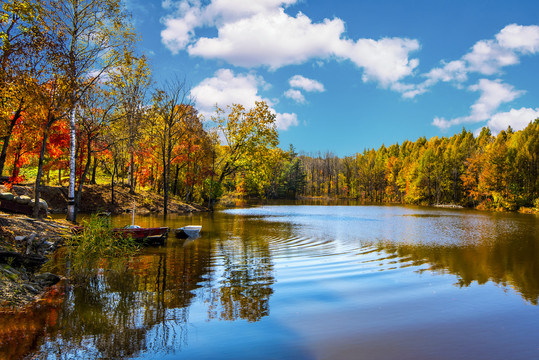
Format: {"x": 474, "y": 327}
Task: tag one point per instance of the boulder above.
{"x": 6, "y": 196}
{"x": 47, "y": 279}
{"x": 47, "y": 247}
{"x": 8, "y": 270}
{"x": 17, "y": 260}
{"x": 31, "y": 244}
{"x": 42, "y": 204}
{"x": 23, "y": 199}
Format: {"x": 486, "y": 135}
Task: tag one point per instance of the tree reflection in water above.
{"x": 21, "y": 330}
{"x": 506, "y": 261}
{"x": 143, "y": 307}
{"x": 119, "y": 313}
{"x": 142, "y": 304}
{"x": 245, "y": 286}
{"x": 98, "y": 320}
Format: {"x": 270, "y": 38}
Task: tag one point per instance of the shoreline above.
{"x": 26, "y": 244}
{"x": 25, "y": 240}
{"x": 480, "y": 207}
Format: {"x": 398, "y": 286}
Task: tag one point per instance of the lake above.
{"x": 311, "y": 282}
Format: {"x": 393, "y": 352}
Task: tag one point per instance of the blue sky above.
{"x": 342, "y": 76}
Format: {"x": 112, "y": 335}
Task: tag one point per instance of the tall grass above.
{"x": 96, "y": 246}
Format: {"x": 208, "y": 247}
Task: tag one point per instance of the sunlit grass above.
{"x": 51, "y": 177}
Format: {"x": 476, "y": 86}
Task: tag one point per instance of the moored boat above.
{"x": 155, "y": 234}
{"x": 189, "y": 231}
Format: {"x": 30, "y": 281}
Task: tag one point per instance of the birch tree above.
{"x": 91, "y": 34}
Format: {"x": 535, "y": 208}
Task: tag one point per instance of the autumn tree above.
{"x": 393, "y": 168}
{"x": 263, "y": 175}
{"x": 24, "y": 38}
{"x": 22, "y": 147}
{"x": 470, "y": 178}
{"x": 527, "y": 160}
{"x": 175, "y": 116}
{"x": 493, "y": 176}
{"x": 96, "y": 114}
{"x": 192, "y": 160}
{"x": 246, "y": 135}
{"x": 292, "y": 175}
{"x": 130, "y": 81}
{"x": 115, "y": 140}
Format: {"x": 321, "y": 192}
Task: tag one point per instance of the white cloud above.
{"x": 385, "y": 60}
{"x": 217, "y": 12}
{"x": 284, "y": 121}
{"x": 489, "y": 57}
{"x": 451, "y": 71}
{"x": 227, "y": 88}
{"x": 524, "y": 39}
{"x": 180, "y": 28}
{"x": 310, "y": 85}
{"x": 493, "y": 94}
{"x": 223, "y": 11}
{"x": 260, "y": 33}
{"x": 518, "y": 119}
{"x": 273, "y": 39}
{"x": 295, "y": 95}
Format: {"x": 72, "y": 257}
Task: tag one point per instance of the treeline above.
{"x": 487, "y": 171}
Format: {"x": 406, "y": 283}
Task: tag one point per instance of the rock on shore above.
{"x": 25, "y": 244}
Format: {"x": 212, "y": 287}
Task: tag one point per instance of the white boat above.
{"x": 189, "y": 231}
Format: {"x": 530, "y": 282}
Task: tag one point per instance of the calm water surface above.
{"x": 313, "y": 282}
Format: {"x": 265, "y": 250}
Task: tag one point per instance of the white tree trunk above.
{"x": 72, "y": 168}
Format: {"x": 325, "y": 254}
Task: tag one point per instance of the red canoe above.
{"x": 140, "y": 233}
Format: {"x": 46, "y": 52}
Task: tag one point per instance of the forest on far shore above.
{"x": 489, "y": 172}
